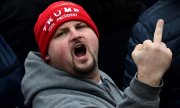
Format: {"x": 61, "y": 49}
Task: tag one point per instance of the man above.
{"x": 65, "y": 73}
{"x": 168, "y": 10}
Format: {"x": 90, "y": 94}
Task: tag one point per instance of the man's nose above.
{"x": 75, "y": 34}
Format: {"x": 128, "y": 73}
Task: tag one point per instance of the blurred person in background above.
{"x": 17, "y": 19}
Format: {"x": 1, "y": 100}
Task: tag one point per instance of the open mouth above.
{"x": 80, "y": 50}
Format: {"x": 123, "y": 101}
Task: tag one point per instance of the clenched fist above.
{"x": 152, "y": 58}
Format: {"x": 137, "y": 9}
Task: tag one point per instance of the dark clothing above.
{"x": 113, "y": 48}
{"x": 148, "y": 3}
{"x": 47, "y": 87}
{"x": 10, "y": 78}
{"x": 17, "y": 19}
{"x": 169, "y": 10}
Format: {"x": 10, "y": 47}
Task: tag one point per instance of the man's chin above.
{"x": 85, "y": 70}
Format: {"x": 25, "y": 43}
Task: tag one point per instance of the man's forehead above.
{"x": 72, "y": 23}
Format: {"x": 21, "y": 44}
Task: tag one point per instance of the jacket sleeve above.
{"x": 140, "y": 32}
{"x": 140, "y": 95}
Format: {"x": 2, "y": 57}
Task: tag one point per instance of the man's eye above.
{"x": 60, "y": 34}
{"x": 81, "y": 26}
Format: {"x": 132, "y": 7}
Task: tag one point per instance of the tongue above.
{"x": 80, "y": 54}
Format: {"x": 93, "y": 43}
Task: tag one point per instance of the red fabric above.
{"x": 54, "y": 16}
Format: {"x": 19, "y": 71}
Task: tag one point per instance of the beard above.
{"x": 85, "y": 70}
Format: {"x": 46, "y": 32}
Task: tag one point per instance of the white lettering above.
{"x": 44, "y": 28}
{"x": 67, "y": 10}
{"x": 66, "y": 15}
{"x": 76, "y": 10}
{"x": 48, "y": 26}
{"x": 58, "y": 13}
{"x": 51, "y": 26}
{"x": 49, "y": 21}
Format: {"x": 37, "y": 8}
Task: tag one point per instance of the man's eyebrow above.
{"x": 63, "y": 29}
{"x": 79, "y": 23}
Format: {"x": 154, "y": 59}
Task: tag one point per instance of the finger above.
{"x": 163, "y": 45}
{"x": 146, "y": 42}
{"x": 139, "y": 47}
{"x": 136, "y": 49}
{"x": 158, "y": 31}
{"x": 169, "y": 52}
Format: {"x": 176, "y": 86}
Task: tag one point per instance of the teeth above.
{"x": 78, "y": 46}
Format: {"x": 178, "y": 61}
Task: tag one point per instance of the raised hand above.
{"x": 152, "y": 58}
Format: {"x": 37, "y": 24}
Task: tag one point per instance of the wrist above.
{"x": 153, "y": 81}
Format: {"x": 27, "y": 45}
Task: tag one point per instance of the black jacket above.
{"x": 169, "y": 10}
